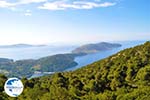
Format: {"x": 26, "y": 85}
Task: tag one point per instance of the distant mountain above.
{"x": 20, "y": 46}
{"x": 93, "y": 48}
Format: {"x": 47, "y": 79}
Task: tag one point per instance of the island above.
{"x": 20, "y": 46}
{"x": 97, "y": 47}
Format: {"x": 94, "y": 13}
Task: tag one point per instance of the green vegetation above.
{"x": 123, "y": 76}
{"x": 94, "y": 48}
{"x": 25, "y": 68}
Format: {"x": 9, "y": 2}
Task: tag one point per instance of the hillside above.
{"x": 93, "y": 48}
{"x": 123, "y": 76}
{"x": 5, "y": 60}
{"x": 25, "y": 68}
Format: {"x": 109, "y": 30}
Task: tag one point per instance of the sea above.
{"x": 48, "y": 50}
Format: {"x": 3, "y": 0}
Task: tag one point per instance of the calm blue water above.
{"x": 90, "y": 58}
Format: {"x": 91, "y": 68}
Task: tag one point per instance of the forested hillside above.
{"x": 123, "y": 76}
{"x": 25, "y": 68}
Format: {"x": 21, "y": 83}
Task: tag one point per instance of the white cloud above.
{"x": 30, "y": 1}
{"x": 4, "y": 4}
{"x": 62, "y": 5}
{"x": 13, "y": 5}
{"x": 52, "y": 5}
{"x": 58, "y": 4}
{"x": 28, "y": 13}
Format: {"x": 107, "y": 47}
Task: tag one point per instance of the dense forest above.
{"x": 123, "y": 76}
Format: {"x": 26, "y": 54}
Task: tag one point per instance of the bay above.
{"x": 90, "y": 58}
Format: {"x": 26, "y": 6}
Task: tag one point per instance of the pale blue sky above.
{"x": 73, "y": 21}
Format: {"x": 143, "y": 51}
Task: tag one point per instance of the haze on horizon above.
{"x": 73, "y": 22}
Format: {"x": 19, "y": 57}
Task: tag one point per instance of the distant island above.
{"x": 20, "y": 46}
{"x": 94, "y": 48}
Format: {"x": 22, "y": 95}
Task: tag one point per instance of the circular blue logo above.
{"x": 13, "y": 87}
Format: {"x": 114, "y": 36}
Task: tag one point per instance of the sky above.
{"x": 73, "y": 21}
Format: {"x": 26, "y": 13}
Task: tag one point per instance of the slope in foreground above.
{"x": 123, "y": 76}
